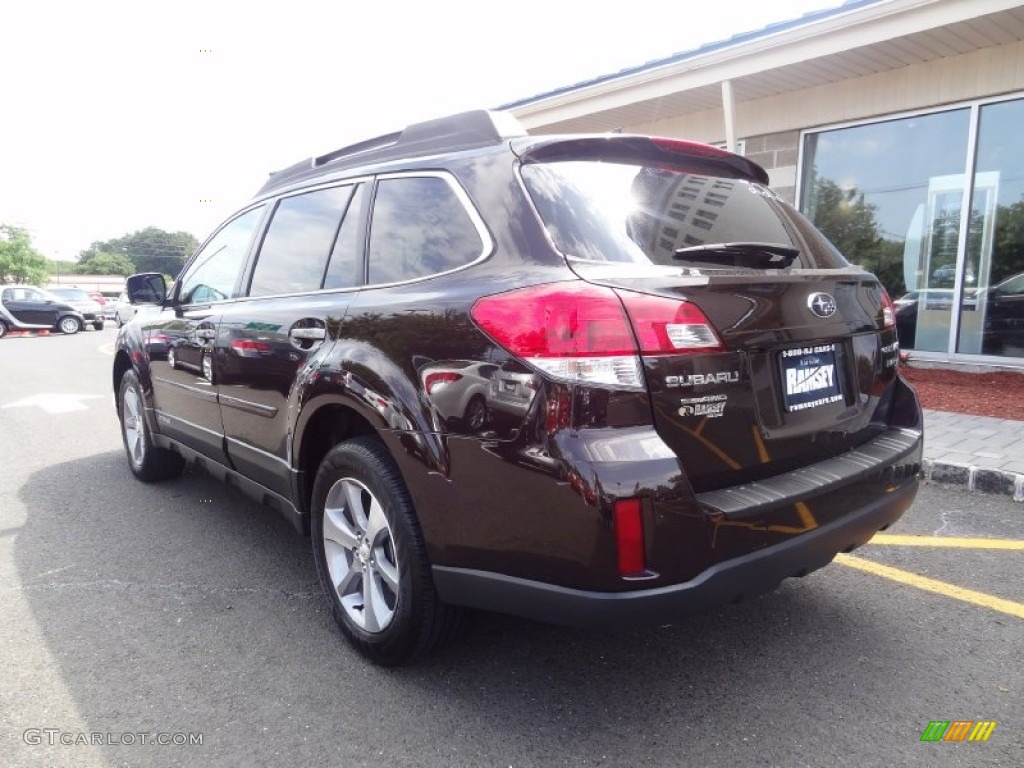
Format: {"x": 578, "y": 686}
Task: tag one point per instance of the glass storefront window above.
{"x": 889, "y": 196}
{"x": 992, "y": 310}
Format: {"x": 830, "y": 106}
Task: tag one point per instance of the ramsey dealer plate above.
{"x": 809, "y": 377}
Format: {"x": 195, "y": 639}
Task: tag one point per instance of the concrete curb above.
{"x": 974, "y": 478}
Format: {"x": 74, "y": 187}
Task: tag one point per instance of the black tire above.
{"x": 98, "y": 325}
{"x": 417, "y": 622}
{"x": 117, "y": 319}
{"x": 475, "y": 417}
{"x": 69, "y": 325}
{"x": 147, "y": 461}
{"x": 3, "y": 329}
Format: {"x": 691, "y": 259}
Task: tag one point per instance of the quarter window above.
{"x": 213, "y": 274}
{"x": 420, "y": 227}
{"x": 346, "y": 267}
{"x": 295, "y": 250}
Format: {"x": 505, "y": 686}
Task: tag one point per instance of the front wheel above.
{"x": 371, "y": 557}
{"x": 3, "y": 329}
{"x": 147, "y": 461}
{"x": 69, "y": 325}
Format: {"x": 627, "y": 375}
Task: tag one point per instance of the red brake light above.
{"x": 439, "y": 378}
{"x": 669, "y": 326}
{"x": 557, "y": 320}
{"x": 249, "y": 347}
{"x": 575, "y": 332}
{"x": 691, "y": 148}
{"x": 888, "y": 311}
{"x": 581, "y": 332}
{"x": 629, "y": 535}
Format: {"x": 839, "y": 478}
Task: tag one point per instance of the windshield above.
{"x": 616, "y": 212}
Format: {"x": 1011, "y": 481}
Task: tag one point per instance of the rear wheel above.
{"x": 69, "y": 325}
{"x": 98, "y": 325}
{"x": 371, "y": 557}
{"x": 476, "y": 414}
{"x": 3, "y": 329}
{"x": 147, "y": 461}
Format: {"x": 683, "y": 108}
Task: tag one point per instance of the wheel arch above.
{"x": 320, "y": 427}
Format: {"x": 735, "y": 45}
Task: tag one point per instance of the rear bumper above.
{"x": 725, "y": 582}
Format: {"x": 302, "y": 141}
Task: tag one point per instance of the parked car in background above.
{"x": 699, "y": 395}
{"x": 28, "y": 308}
{"x": 123, "y": 310}
{"x": 1004, "y": 317}
{"x": 91, "y": 310}
{"x": 459, "y": 389}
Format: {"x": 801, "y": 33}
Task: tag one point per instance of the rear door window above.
{"x": 421, "y": 226}
{"x": 294, "y": 253}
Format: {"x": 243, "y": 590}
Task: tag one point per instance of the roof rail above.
{"x": 465, "y": 130}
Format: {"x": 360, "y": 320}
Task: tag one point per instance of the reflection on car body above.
{"x": 459, "y": 390}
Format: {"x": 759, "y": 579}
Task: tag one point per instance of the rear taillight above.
{"x": 582, "y": 332}
{"x": 435, "y": 380}
{"x": 888, "y": 311}
{"x": 249, "y": 347}
{"x": 669, "y": 326}
{"x": 571, "y": 331}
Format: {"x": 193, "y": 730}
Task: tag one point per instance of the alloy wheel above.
{"x": 360, "y": 554}
{"x": 134, "y": 426}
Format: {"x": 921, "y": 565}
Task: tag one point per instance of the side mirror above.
{"x": 146, "y": 288}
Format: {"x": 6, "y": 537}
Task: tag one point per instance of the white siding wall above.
{"x": 987, "y": 72}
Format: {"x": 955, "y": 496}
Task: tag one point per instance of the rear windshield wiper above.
{"x": 749, "y": 255}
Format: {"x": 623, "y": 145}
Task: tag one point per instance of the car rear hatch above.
{"x": 780, "y": 354}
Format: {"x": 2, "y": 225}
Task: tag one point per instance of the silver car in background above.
{"x": 92, "y": 310}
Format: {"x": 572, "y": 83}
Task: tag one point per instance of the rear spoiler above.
{"x": 678, "y": 154}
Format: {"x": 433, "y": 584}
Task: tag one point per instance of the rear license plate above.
{"x": 508, "y": 386}
{"x": 809, "y": 377}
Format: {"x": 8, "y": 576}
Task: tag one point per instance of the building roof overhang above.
{"x": 856, "y": 39}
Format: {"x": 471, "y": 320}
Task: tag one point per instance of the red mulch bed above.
{"x": 997, "y": 394}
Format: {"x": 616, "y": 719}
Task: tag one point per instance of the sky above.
{"x": 120, "y": 115}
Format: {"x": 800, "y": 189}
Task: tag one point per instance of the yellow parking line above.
{"x": 932, "y": 585}
{"x": 957, "y": 542}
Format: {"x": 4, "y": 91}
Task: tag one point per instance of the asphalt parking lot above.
{"x": 182, "y": 609}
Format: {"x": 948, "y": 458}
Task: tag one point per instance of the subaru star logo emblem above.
{"x": 821, "y": 304}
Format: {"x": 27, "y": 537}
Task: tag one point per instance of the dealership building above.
{"x": 897, "y": 126}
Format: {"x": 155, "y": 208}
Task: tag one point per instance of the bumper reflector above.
{"x": 629, "y": 535}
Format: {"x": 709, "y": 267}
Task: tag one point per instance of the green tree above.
{"x": 19, "y": 261}
{"x": 850, "y": 222}
{"x": 103, "y": 263}
{"x": 1008, "y": 242}
{"x": 150, "y": 249}
{"x": 61, "y": 266}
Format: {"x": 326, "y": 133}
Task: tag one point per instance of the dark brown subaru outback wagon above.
{"x": 592, "y": 380}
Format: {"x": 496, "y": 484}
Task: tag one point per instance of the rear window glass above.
{"x": 615, "y": 212}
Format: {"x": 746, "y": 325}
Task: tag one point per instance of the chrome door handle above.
{"x": 308, "y": 334}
